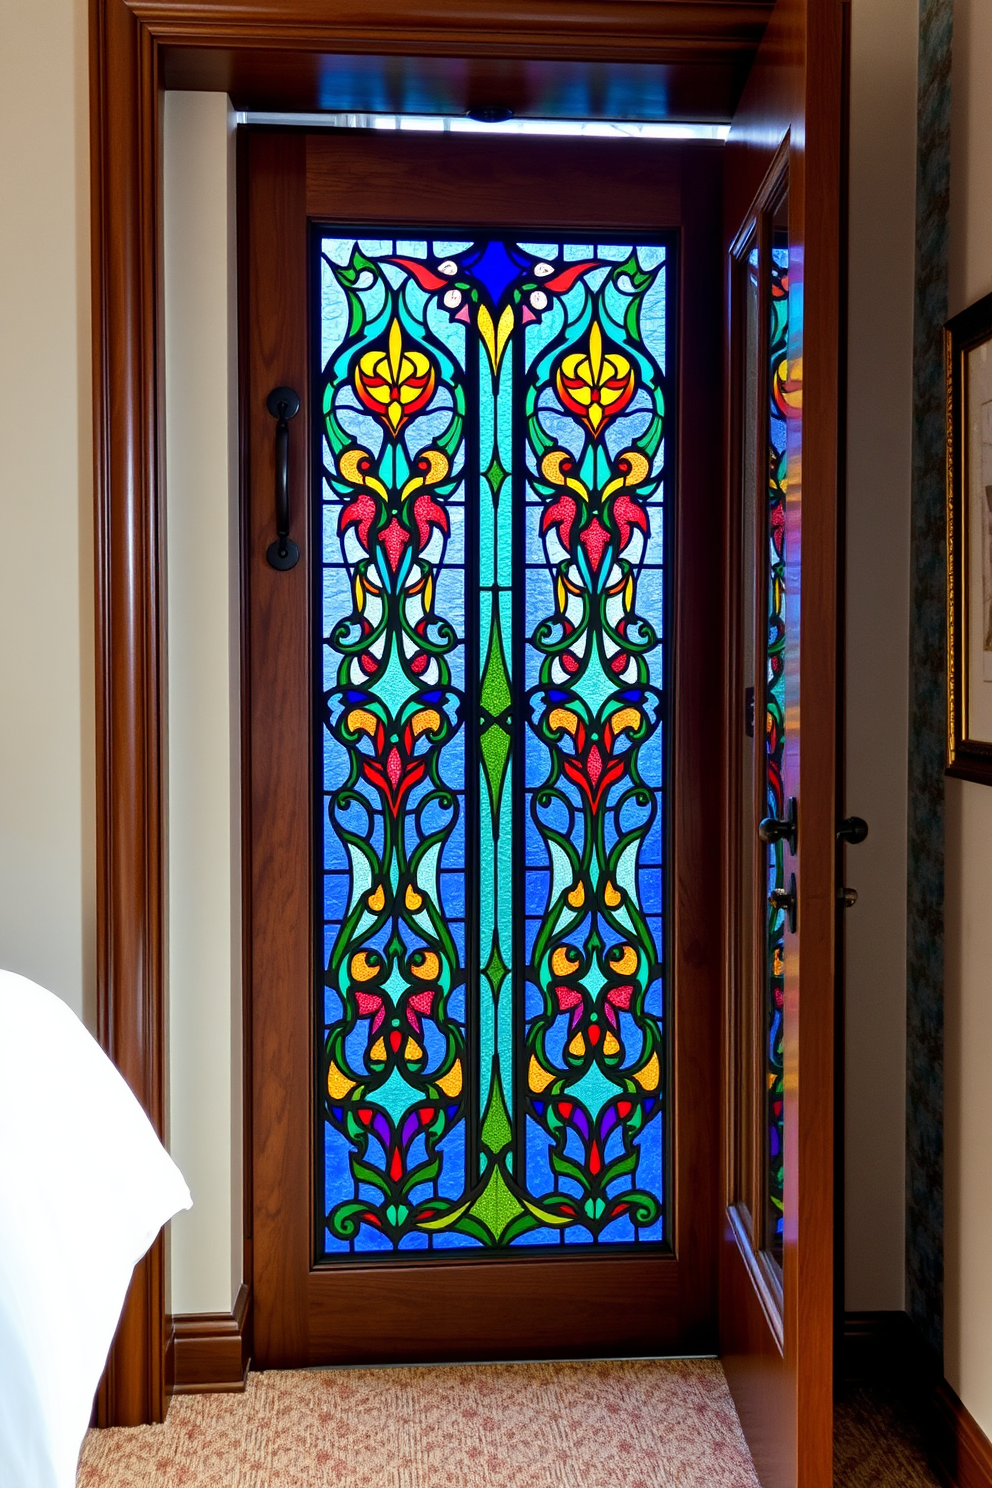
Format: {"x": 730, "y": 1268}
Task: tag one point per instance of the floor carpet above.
{"x": 878, "y": 1443}
{"x": 644, "y": 1424}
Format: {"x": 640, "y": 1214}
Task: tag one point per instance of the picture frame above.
{"x": 968, "y": 362}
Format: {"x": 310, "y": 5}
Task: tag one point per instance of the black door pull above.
{"x": 781, "y": 828}
{"x": 786, "y": 899}
{"x": 283, "y": 404}
{"x": 853, "y": 829}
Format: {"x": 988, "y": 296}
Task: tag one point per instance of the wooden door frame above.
{"x": 136, "y": 47}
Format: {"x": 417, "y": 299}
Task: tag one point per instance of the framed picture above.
{"x": 968, "y": 353}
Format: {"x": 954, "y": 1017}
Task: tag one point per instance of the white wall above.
{"x": 880, "y": 336}
{"x": 204, "y": 722}
{"x": 968, "y": 868}
{"x": 47, "y": 874}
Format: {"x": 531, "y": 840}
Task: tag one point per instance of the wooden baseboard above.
{"x": 888, "y": 1344}
{"x": 877, "y": 1343}
{"x": 963, "y": 1451}
{"x": 211, "y": 1349}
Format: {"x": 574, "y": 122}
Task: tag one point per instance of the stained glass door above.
{"x": 484, "y": 1077}
{"x": 784, "y": 256}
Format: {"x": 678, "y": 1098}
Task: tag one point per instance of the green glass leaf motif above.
{"x": 496, "y": 1207}
{"x": 495, "y": 968}
{"x": 495, "y": 746}
{"x": 495, "y": 475}
{"x": 495, "y": 694}
{"x": 496, "y": 1129}
{"x": 495, "y": 698}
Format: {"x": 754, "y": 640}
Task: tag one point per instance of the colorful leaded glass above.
{"x": 491, "y": 600}
{"x": 778, "y": 414}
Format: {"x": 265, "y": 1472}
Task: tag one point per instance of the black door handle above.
{"x": 779, "y": 828}
{"x": 283, "y": 404}
{"x": 853, "y": 829}
{"x": 786, "y": 899}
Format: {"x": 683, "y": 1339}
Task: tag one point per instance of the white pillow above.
{"x": 85, "y": 1186}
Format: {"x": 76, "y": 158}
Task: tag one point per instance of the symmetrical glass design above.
{"x": 778, "y": 413}
{"x": 490, "y": 708}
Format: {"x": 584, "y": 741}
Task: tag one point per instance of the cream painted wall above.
{"x": 968, "y": 868}
{"x": 46, "y": 647}
{"x": 882, "y": 215}
{"x": 47, "y": 873}
{"x": 204, "y": 722}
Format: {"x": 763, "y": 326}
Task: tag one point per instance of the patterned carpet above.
{"x": 877, "y": 1444}
{"x": 651, "y": 1424}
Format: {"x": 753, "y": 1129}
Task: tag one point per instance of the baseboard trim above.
{"x": 963, "y": 1451}
{"x": 879, "y": 1342}
{"x": 890, "y": 1342}
{"x": 211, "y": 1349}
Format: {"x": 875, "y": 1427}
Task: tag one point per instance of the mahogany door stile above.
{"x": 277, "y": 709}
{"x": 477, "y": 1304}
{"x": 778, "y": 1357}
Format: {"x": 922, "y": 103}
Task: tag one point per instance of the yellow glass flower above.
{"x": 595, "y": 383}
{"x": 395, "y": 382}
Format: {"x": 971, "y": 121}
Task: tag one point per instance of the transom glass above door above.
{"x": 492, "y": 444}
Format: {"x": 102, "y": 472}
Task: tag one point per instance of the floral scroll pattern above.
{"x": 492, "y": 458}
{"x": 782, "y": 406}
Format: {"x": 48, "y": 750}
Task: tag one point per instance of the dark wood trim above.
{"x": 638, "y": 30}
{"x": 764, "y": 1275}
{"x": 129, "y": 637}
{"x": 211, "y": 1349}
{"x": 795, "y": 94}
{"x": 170, "y": 1355}
{"x": 426, "y": 1314}
{"x": 839, "y": 1197}
{"x": 244, "y": 478}
{"x": 964, "y": 1452}
{"x": 873, "y": 1343}
{"x": 753, "y": 1333}
{"x": 814, "y": 201}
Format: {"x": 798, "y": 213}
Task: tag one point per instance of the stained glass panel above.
{"x": 778, "y": 412}
{"x": 491, "y": 598}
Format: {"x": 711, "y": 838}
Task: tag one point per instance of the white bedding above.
{"x": 85, "y": 1186}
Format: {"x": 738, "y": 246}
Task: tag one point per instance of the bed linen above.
{"x": 85, "y": 1186}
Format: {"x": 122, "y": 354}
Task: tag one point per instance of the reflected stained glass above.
{"x": 491, "y": 705}
{"x": 778, "y": 414}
